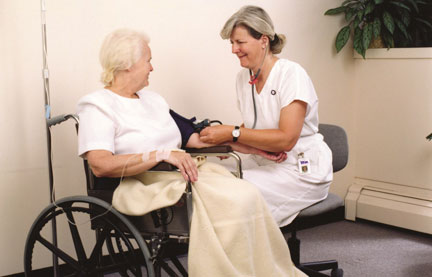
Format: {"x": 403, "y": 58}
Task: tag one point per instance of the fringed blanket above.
{"x": 232, "y": 231}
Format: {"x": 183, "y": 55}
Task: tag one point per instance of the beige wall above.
{"x": 194, "y": 70}
{"x": 393, "y": 117}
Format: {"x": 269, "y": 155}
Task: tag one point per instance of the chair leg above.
{"x": 166, "y": 268}
{"x": 294, "y": 246}
{"x": 178, "y": 265}
{"x": 312, "y": 273}
{"x": 322, "y": 265}
{"x": 158, "y": 270}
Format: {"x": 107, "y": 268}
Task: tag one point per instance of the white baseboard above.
{"x": 393, "y": 204}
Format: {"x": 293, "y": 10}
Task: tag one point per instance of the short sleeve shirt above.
{"x": 123, "y": 125}
{"x": 287, "y": 82}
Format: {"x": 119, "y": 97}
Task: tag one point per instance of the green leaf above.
{"x": 369, "y": 8}
{"x": 342, "y": 38}
{"x": 358, "y": 46}
{"x": 414, "y": 3}
{"x": 400, "y": 5}
{"x": 376, "y": 26}
{"x": 356, "y": 22}
{"x": 406, "y": 17}
{"x": 347, "y": 2}
{"x": 423, "y": 21}
{"x": 349, "y": 14}
{"x": 360, "y": 15}
{"x": 388, "y": 39}
{"x": 335, "y": 11}
{"x": 367, "y": 35}
{"x": 378, "y": 2}
{"x": 388, "y": 22}
{"x": 402, "y": 27}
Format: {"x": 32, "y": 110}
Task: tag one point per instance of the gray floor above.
{"x": 367, "y": 249}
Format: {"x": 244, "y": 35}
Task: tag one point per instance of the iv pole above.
{"x": 45, "y": 76}
{"x": 51, "y": 121}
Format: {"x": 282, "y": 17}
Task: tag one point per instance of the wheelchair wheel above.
{"x": 79, "y": 255}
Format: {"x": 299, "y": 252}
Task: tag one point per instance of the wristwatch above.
{"x": 236, "y": 133}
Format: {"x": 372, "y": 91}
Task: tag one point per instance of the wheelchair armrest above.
{"x": 163, "y": 166}
{"x": 220, "y": 149}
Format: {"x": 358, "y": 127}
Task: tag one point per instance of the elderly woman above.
{"x": 279, "y": 107}
{"x": 125, "y": 130}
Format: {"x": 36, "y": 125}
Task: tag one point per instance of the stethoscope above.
{"x": 252, "y": 82}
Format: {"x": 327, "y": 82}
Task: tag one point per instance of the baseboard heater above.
{"x": 392, "y": 204}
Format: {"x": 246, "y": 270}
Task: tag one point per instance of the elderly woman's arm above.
{"x": 104, "y": 164}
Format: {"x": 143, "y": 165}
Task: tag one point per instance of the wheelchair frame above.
{"x": 149, "y": 240}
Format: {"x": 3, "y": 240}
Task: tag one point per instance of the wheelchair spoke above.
{"x": 59, "y": 253}
{"x": 132, "y": 263}
{"x": 98, "y": 246}
{"x": 76, "y": 238}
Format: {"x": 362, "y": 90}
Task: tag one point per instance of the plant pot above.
{"x": 377, "y": 43}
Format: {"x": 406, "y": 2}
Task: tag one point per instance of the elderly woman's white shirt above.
{"x": 114, "y": 123}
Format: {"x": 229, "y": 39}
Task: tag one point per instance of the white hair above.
{"x": 120, "y": 50}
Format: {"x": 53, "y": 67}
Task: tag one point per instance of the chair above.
{"x": 329, "y": 210}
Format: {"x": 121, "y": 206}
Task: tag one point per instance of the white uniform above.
{"x": 114, "y": 123}
{"x": 286, "y": 190}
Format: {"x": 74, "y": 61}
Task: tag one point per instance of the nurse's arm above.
{"x": 273, "y": 140}
{"x": 195, "y": 142}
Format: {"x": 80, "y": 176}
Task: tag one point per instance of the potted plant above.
{"x": 389, "y": 23}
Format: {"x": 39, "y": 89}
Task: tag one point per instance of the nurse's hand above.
{"x": 185, "y": 163}
{"x": 217, "y": 134}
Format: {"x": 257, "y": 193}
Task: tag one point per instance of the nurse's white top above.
{"x": 123, "y": 125}
{"x": 287, "y": 82}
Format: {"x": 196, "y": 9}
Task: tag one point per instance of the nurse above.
{"x": 279, "y": 107}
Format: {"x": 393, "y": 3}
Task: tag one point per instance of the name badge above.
{"x": 303, "y": 164}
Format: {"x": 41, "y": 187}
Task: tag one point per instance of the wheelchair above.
{"x": 128, "y": 245}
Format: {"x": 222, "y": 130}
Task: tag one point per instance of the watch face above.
{"x": 236, "y": 133}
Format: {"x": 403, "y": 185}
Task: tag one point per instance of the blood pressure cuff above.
{"x": 185, "y": 126}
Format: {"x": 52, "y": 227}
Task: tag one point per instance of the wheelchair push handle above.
{"x": 61, "y": 118}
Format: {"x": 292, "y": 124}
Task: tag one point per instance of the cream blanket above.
{"x": 232, "y": 231}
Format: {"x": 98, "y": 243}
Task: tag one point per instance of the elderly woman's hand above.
{"x": 216, "y": 134}
{"x": 185, "y": 163}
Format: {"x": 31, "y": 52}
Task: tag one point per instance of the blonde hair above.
{"x": 120, "y": 50}
{"x": 258, "y": 23}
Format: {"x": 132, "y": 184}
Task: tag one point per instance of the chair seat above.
{"x": 332, "y": 202}
{"x": 328, "y": 210}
